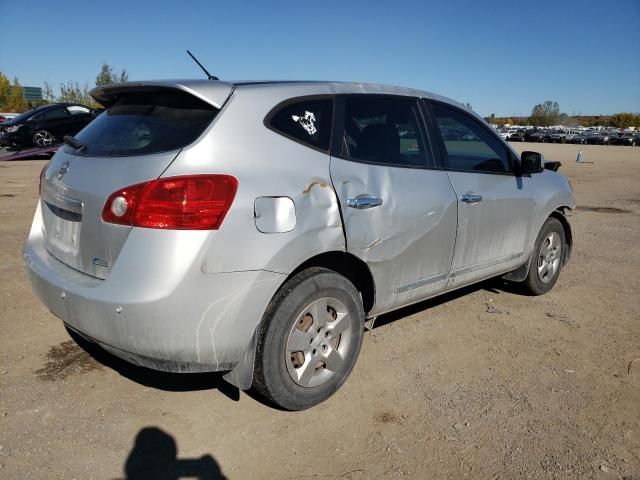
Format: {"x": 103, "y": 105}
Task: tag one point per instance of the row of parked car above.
{"x": 582, "y": 137}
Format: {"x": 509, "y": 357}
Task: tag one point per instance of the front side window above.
{"x": 469, "y": 146}
{"x": 307, "y": 121}
{"x": 384, "y": 131}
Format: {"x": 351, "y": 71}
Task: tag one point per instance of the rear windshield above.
{"x": 142, "y": 123}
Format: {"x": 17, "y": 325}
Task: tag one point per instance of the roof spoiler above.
{"x": 213, "y": 93}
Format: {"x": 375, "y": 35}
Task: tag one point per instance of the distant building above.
{"x": 32, "y": 94}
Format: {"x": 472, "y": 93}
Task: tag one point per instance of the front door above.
{"x": 398, "y": 211}
{"x": 495, "y": 206}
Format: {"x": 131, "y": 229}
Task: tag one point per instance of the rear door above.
{"x": 495, "y": 205}
{"x": 133, "y": 141}
{"x": 56, "y": 120}
{"x": 399, "y": 211}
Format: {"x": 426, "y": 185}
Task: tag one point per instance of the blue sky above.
{"x": 502, "y": 57}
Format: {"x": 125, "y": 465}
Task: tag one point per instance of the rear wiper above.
{"x": 72, "y": 141}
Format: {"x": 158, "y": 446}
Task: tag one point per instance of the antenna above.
{"x": 209, "y": 76}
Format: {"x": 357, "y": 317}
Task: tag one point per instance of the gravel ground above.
{"x": 480, "y": 384}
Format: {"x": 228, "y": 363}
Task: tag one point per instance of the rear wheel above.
{"x": 43, "y": 138}
{"x": 546, "y": 259}
{"x": 309, "y": 340}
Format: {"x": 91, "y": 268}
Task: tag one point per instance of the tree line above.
{"x": 12, "y": 99}
{"x": 548, "y": 113}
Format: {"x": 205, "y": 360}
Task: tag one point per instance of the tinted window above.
{"x": 147, "y": 122}
{"x": 470, "y": 146}
{"x": 54, "y": 113}
{"x": 384, "y": 130}
{"x": 308, "y": 121}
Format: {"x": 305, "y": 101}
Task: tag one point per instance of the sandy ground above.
{"x": 481, "y": 384}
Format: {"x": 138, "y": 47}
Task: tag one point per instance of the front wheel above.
{"x": 309, "y": 339}
{"x": 546, "y": 259}
{"x": 43, "y": 138}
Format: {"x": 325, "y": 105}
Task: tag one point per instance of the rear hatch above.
{"x": 143, "y": 129}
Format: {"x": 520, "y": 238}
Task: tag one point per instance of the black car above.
{"x": 580, "y": 138}
{"x": 540, "y": 136}
{"x": 601, "y": 138}
{"x": 629, "y": 138}
{"x": 46, "y": 125}
{"x": 518, "y": 135}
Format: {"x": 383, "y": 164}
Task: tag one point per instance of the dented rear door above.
{"x": 399, "y": 212}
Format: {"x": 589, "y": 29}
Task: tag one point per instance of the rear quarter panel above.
{"x": 266, "y": 164}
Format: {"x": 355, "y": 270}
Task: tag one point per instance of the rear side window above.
{"x": 470, "y": 146}
{"x": 306, "y": 121}
{"x": 146, "y": 122}
{"x": 384, "y": 131}
{"x": 54, "y": 114}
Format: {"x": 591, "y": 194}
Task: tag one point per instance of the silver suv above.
{"x": 254, "y": 227}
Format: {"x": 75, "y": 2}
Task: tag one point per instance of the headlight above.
{"x": 13, "y": 129}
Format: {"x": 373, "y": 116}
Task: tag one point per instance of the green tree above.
{"x": 624, "y": 120}
{"x": 545, "y": 114}
{"x": 5, "y": 91}
{"x": 75, "y": 93}
{"x": 47, "y": 93}
{"x": 109, "y": 75}
{"x": 15, "y": 100}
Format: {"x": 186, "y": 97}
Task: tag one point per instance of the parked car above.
{"x": 579, "y": 138}
{"x": 44, "y": 126}
{"x": 601, "y": 138}
{"x": 518, "y": 135}
{"x": 628, "y": 138}
{"x": 539, "y": 136}
{"x": 256, "y": 235}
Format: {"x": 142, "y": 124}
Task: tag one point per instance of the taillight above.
{"x": 193, "y": 202}
{"x": 42, "y": 174}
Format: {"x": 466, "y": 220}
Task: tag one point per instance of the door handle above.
{"x": 471, "y": 198}
{"x": 364, "y": 201}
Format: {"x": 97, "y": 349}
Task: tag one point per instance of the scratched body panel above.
{"x": 408, "y": 241}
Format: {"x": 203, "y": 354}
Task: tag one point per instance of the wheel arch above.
{"x": 348, "y": 265}
{"x": 560, "y": 215}
{"x": 521, "y": 273}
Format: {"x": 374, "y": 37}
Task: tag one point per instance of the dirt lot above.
{"x": 482, "y": 384}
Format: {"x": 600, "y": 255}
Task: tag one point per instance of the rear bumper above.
{"x": 189, "y": 322}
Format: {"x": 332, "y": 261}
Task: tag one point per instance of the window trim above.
{"x": 513, "y": 163}
{"x": 337, "y": 140}
{"x": 272, "y": 113}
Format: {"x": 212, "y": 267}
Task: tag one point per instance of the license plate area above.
{"x": 62, "y": 229}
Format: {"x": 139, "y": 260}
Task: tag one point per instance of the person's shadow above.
{"x": 154, "y": 456}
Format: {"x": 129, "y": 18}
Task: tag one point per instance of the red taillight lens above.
{"x": 194, "y": 202}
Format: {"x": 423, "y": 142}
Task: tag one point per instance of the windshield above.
{"x": 141, "y": 123}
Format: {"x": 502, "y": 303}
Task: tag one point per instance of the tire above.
{"x": 43, "y": 138}
{"x": 302, "y": 356}
{"x": 547, "y": 258}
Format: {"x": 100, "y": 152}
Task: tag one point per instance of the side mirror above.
{"x": 531, "y": 162}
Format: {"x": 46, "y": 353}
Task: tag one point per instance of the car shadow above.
{"x": 155, "y": 456}
{"x": 169, "y": 382}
